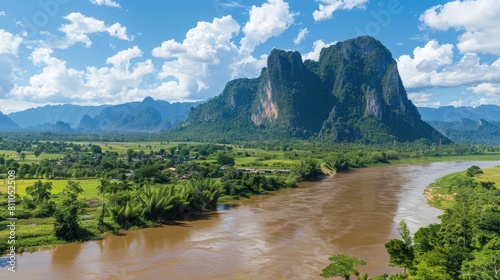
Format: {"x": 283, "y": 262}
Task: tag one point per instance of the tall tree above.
{"x": 103, "y": 189}
{"x": 66, "y": 225}
{"x": 401, "y": 251}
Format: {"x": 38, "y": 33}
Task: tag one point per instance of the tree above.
{"x": 37, "y": 153}
{"x": 130, "y": 153}
{"x": 103, "y": 189}
{"x": 224, "y": 159}
{"x": 23, "y": 156}
{"x": 96, "y": 149}
{"x": 473, "y": 170}
{"x": 66, "y": 225}
{"x": 401, "y": 251}
{"x": 39, "y": 191}
{"x": 343, "y": 266}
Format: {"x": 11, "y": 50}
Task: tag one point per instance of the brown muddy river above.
{"x": 288, "y": 234}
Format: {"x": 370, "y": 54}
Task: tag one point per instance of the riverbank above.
{"x": 464, "y": 243}
{"x": 441, "y": 193}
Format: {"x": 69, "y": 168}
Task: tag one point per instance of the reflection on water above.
{"x": 287, "y": 234}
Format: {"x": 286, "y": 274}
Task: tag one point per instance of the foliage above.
{"x": 401, "y": 251}
{"x": 306, "y": 170}
{"x": 473, "y": 170}
{"x": 39, "y": 191}
{"x": 224, "y": 159}
{"x": 466, "y": 243}
{"x": 343, "y": 266}
{"x": 66, "y": 226}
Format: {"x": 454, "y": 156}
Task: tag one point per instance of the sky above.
{"x": 93, "y": 52}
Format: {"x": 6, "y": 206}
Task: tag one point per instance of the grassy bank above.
{"x": 441, "y": 193}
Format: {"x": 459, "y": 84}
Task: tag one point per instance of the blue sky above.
{"x": 91, "y": 52}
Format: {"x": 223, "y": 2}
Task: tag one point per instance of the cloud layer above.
{"x": 195, "y": 68}
{"x": 479, "y": 25}
{"x": 81, "y": 26}
{"x": 328, "y": 7}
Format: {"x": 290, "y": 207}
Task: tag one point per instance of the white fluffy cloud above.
{"x": 9, "y": 43}
{"x": 2, "y": 13}
{"x": 81, "y": 26}
{"x": 109, "y": 3}
{"x": 423, "y": 99}
{"x": 489, "y": 93}
{"x": 317, "y": 47}
{"x": 9, "y": 47}
{"x": 58, "y": 83}
{"x": 194, "y": 68}
{"x": 198, "y": 62}
{"x": 199, "y": 66}
{"x": 433, "y": 66}
{"x": 302, "y": 34}
{"x": 269, "y": 20}
{"x": 489, "y": 89}
{"x": 478, "y": 20}
{"x": 328, "y": 7}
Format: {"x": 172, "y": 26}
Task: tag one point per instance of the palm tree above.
{"x": 157, "y": 203}
{"x": 207, "y": 191}
{"x": 113, "y": 188}
{"x": 103, "y": 189}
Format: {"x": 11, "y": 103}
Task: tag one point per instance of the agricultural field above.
{"x": 89, "y": 186}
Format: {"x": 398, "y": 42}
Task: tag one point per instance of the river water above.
{"x": 288, "y": 234}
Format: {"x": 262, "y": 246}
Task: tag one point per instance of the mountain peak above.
{"x": 353, "y": 93}
{"x": 148, "y": 100}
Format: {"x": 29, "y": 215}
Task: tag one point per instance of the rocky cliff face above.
{"x": 354, "y": 92}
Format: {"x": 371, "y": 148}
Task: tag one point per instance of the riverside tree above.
{"x": 401, "y": 250}
{"x": 342, "y": 265}
{"x": 66, "y": 225}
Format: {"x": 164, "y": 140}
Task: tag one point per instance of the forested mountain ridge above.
{"x": 353, "y": 93}
{"x": 470, "y": 131}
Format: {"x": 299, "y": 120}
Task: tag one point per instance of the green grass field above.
{"x": 89, "y": 186}
{"x": 30, "y": 156}
{"x": 490, "y": 174}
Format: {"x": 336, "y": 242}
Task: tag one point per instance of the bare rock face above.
{"x": 266, "y": 108}
{"x": 353, "y": 93}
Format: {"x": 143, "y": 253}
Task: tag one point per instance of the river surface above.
{"x": 288, "y": 234}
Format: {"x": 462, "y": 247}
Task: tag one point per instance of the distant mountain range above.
{"x": 71, "y": 114}
{"x": 147, "y": 116}
{"x": 471, "y": 125}
{"x": 470, "y": 131}
{"x": 453, "y": 114}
